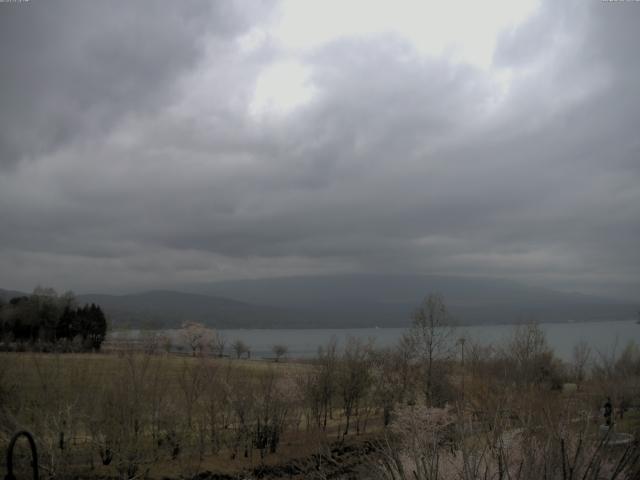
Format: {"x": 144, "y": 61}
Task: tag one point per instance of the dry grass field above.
{"x": 136, "y": 415}
{"x": 360, "y": 412}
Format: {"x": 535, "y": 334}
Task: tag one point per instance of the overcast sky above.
{"x": 155, "y": 144}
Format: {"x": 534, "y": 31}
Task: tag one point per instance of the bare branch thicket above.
{"x": 121, "y": 419}
{"x": 217, "y": 343}
{"x": 215, "y": 405}
{"x": 318, "y": 386}
{"x": 354, "y": 380}
{"x": 393, "y": 376}
{"x": 242, "y": 396}
{"x": 528, "y": 359}
{"x": 274, "y": 403}
{"x": 413, "y": 446}
{"x": 580, "y": 360}
{"x": 432, "y": 334}
{"x": 240, "y": 348}
{"x": 546, "y": 438}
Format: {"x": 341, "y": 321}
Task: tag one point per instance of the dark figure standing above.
{"x": 608, "y": 411}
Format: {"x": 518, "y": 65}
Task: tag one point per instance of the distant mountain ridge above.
{"x": 6, "y": 295}
{"x": 326, "y": 290}
{"x": 389, "y": 300}
{"x": 341, "y": 301}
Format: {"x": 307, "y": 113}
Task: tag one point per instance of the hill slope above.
{"x": 163, "y": 308}
{"x": 387, "y": 300}
{"x": 6, "y": 295}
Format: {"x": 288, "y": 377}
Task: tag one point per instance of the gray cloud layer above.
{"x": 128, "y": 158}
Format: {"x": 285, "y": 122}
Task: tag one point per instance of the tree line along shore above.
{"x": 45, "y": 321}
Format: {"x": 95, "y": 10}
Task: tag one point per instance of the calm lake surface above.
{"x": 603, "y": 337}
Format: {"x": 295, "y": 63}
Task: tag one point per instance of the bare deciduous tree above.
{"x": 432, "y": 333}
{"x": 531, "y": 356}
{"x": 240, "y": 348}
{"x": 354, "y": 379}
{"x": 581, "y": 356}
{"x": 279, "y": 351}
{"x": 217, "y": 342}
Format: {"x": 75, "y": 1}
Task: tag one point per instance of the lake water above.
{"x": 602, "y": 337}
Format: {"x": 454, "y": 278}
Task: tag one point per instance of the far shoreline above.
{"x": 378, "y": 327}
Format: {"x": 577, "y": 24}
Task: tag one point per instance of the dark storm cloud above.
{"x": 72, "y": 68}
{"x": 144, "y": 166}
